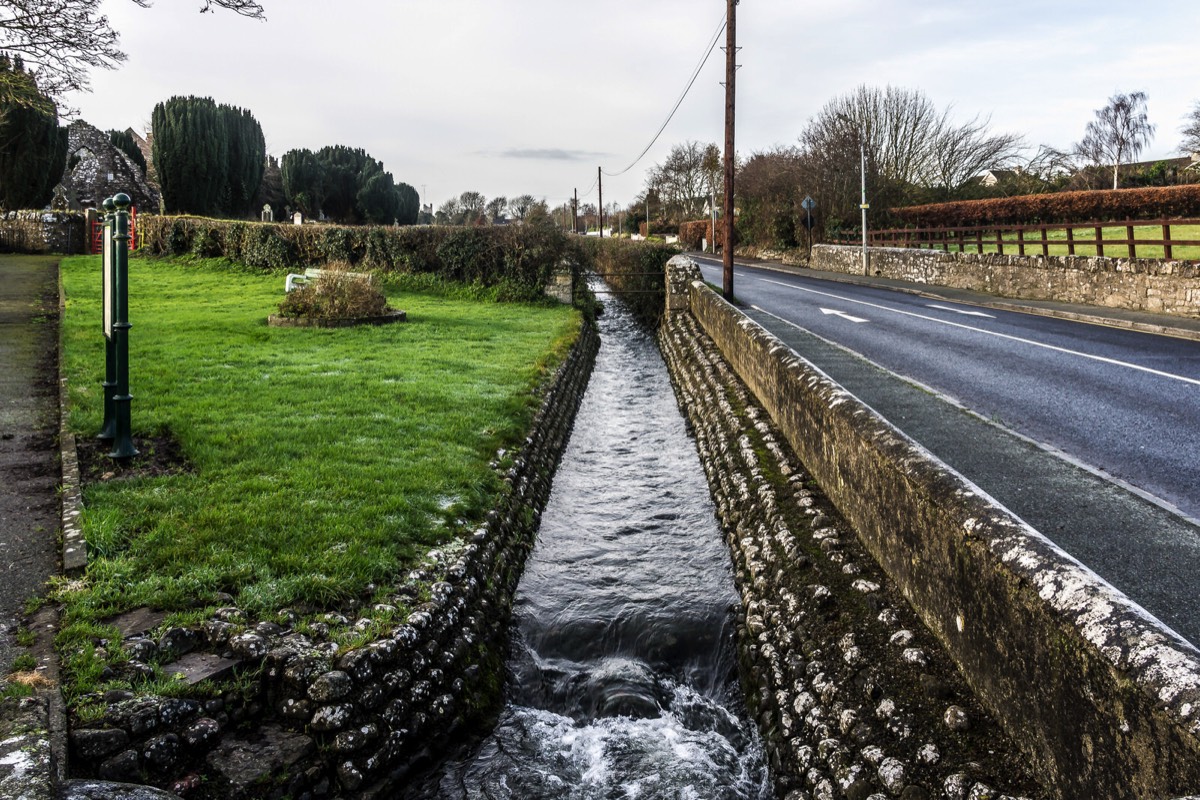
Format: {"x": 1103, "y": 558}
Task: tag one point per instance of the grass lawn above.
{"x": 1058, "y": 246}
{"x": 323, "y": 462}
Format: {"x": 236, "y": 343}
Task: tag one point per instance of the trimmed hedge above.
{"x": 693, "y": 234}
{"x": 1111, "y": 205}
{"x": 520, "y": 259}
{"x": 636, "y": 271}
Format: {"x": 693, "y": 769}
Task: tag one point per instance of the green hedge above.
{"x": 636, "y": 271}
{"x": 519, "y": 259}
{"x": 1110, "y": 205}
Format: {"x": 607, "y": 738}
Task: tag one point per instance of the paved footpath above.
{"x": 29, "y": 470}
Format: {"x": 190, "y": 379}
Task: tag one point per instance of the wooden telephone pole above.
{"x": 600, "y": 186}
{"x": 730, "y": 75}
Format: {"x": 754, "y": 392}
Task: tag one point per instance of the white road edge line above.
{"x": 1113, "y": 361}
{"x": 960, "y": 311}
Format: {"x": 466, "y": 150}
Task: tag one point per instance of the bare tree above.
{"x": 683, "y": 181}
{"x": 960, "y": 153}
{"x": 1191, "y": 132}
{"x": 914, "y": 151}
{"x": 62, "y": 40}
{"x": 496, "y": 208}
{"x": 1120, "y": 131}
{"x": 449, "y": 212}
{"x": 472, "y": 205}
{"x": 519, "y": 206}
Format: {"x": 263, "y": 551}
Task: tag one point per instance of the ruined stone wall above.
{"x": 1166, "y": 287}
{"x": 328, "y": 723}
{"x": 43, "y": 232}
{"x": 1104, "y": 700}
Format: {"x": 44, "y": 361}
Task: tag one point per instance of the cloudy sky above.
{"x": 508, "y": 97}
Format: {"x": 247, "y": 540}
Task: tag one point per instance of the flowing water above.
{"x": 622, "y": 671}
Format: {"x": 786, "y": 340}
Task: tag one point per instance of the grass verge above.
{"x": 322, "y": 463}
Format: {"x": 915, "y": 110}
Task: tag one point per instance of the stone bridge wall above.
{"x": 1105, "y": 700}
{"x": 1165, "y": 287}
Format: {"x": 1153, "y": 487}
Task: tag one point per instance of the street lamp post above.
{"x": 863, "y": 205}
{"x": 862, "y": 150}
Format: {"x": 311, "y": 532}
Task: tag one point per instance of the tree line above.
{"x": 914, "y": 152}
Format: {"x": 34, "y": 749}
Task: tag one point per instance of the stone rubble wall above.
{"x": 43, "y": 232}
{"x": 352, "y": 723}
{"x": 853, "y": 697}
{"x": 1150, "y": 285}
{"x": 1104, "y": 700}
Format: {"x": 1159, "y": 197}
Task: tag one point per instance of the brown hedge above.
{"x": 1159, "y": 202}
{"x": 519, "y": 258}
{"x": 693, "y": 234}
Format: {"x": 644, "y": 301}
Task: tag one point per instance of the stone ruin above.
{"x": 97, "y": 169}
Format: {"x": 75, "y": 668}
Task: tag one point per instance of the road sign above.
{"x": 808, "y": 204}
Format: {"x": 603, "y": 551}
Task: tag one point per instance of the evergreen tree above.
{"x": 410, "y": 204}
{"x": 247, "y": 159}
{"x": 33, "y": 148}
{"x": 124, "y": 141}
{"x": 347, "y": 185}
{"x": 346, "y": 171}
{"x": 191, "y": 155}
{"x": 209, "y": 158}
{"x": 303, "y": 181}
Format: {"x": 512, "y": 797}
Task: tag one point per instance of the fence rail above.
{"x": 1115, "y": 237}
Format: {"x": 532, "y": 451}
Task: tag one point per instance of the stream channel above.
{"x": 622, "y": 671}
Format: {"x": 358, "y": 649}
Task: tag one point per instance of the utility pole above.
{"x": 730, "y": 75}
{"x": 862, "y": 151}
{"x": 575, "y": 213}
{"x": 600, "y": 186}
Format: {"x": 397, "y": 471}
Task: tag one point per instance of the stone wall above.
{"x": 43, "y": 232}
{"x": 1166, "y": 287}
{"x": 322, "y": 722}
{"x": 1103, "y": 699}
{"x": 853, "y": 697}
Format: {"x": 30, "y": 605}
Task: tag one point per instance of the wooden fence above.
{"x": 1040, "y": 239}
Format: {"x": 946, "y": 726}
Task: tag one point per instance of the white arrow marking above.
{"x": 961, "y": 311}
{"x": 843, "y": 315}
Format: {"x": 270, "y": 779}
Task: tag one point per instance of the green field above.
{"x": 1058, "y": 246}
{"x": 322, "y": 462}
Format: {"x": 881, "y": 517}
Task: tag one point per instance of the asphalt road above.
{"x": 1090, "y": 434}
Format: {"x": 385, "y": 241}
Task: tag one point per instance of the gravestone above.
{"x": 298, "y": 218}
{"x": 267, "y": 214}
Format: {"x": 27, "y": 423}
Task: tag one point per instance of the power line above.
{"x": 712, "y": 46}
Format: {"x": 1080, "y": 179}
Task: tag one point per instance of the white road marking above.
{"x": 842, "y": 314}
{"x": 1055, "y": 348}
{"x": 961, "y": 311}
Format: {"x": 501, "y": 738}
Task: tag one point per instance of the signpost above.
{"x": 116, "y": 325}
{"x": 808, "y": 204}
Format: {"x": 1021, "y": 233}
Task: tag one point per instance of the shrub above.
{"x": 335, "y": 294}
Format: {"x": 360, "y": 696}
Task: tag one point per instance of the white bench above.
{"x": 295, "y": 279}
